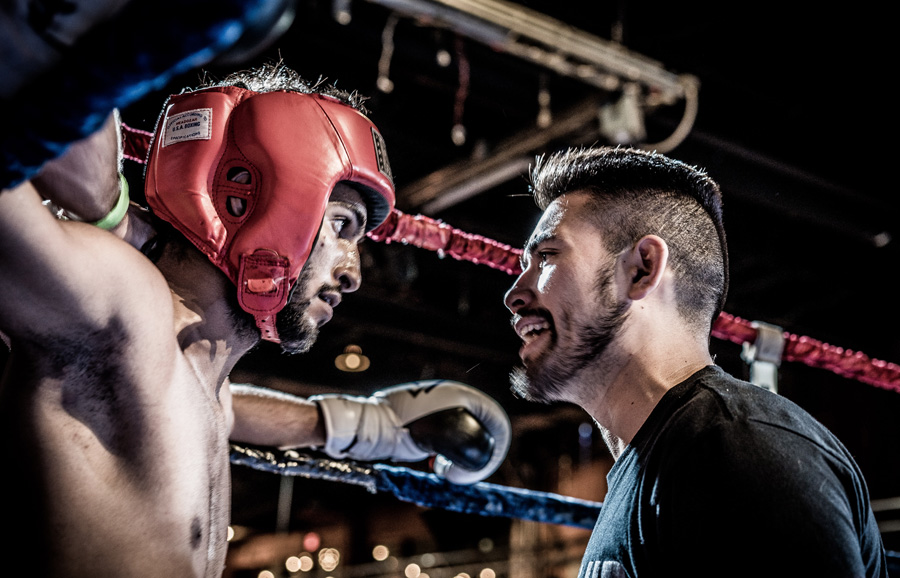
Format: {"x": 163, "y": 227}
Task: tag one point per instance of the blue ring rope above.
{"x": 428, "y": 490}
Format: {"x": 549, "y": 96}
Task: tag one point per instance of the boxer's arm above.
{"x": 467, "y": 430}
{"x": 272, "y": 418}
{"x": 86, "y": 184}
{"x": 40, "y": 265}
{"x": 84, "y": 180}
{"x": 58, "y": 277}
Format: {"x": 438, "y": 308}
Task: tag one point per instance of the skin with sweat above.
{"x": 117, "y": 379}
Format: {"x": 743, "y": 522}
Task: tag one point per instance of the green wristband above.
{"x": 117, "y": 213}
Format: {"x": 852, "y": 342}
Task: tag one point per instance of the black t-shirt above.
{"x": 727, "y": 479}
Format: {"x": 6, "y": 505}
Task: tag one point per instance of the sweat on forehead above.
{"x": 346, "y": 192}
{"x": 547, "y": 228}
{"x": 348, "y": 196}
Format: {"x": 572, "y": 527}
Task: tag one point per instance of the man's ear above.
{"x": 644, "y": 265}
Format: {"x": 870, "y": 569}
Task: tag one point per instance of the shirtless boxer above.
{"x": 115, "y": 406}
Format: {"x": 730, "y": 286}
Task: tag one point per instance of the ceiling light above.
{"x": 352, "y": 359}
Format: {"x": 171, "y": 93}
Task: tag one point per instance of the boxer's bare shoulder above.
{"x": 98, "y": 400}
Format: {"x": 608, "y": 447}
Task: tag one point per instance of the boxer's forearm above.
{"x": 84, "y": 181}
{"x": 271, "y": 418}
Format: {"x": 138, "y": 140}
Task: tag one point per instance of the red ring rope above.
{"x": 136, "y": 143}
{"x": 434, "y": 235}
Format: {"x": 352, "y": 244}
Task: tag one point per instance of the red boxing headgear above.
{"x": 296, "y": 148}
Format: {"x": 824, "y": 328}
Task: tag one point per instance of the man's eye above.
{"x": 340, "y": 223}
{"x": 345, "y": 227}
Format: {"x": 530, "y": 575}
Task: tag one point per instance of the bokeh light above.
{"x": 380, "y": 553}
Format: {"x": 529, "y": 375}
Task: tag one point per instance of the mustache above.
{"x": 297, "y": 290}
{"x": 530, "y": 312}
{"x": 326, "y": 288}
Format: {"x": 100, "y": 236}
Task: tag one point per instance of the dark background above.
{"x": 795, "y": 116}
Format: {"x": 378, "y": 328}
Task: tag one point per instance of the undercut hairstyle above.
{"x": 635, "y": 193}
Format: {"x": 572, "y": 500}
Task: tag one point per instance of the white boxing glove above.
{"x": 467, "y": 431}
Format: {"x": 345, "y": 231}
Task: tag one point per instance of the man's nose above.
{"x": 520, "y": 294}
{"x": 347, "y": 273}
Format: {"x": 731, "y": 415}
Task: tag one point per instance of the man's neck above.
{"x": 209, "y": 331}
{"x": 210, "y": 345}
{"x": 629, "y": 383}
{"x": 208, "y": 335}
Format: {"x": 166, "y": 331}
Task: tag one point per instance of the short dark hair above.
{"x": 637, "y": 193}
{"x": 273, "y": 76}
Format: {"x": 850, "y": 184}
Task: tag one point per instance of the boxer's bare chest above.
{"x": 126, "y": 468}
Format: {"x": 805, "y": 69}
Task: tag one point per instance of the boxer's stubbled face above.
{"x": 333, "y": 268}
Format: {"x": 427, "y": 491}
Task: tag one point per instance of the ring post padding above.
{"x": 764, "y": 355}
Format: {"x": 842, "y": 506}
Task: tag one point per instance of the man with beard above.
{"x": 621, "y": 281}
{"x": 115, "y": 404}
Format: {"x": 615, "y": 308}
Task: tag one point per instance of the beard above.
{"x": 297, "y": 331}
{"x": 544, "y": 380}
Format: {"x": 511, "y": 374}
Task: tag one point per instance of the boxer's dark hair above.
{"x": 274, "y": 76}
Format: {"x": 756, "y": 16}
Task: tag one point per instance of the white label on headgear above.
{"x": 381, "y": 155}
{"x": 189, "y": 125}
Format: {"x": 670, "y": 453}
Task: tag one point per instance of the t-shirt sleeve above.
{"x": 757, "y": 500}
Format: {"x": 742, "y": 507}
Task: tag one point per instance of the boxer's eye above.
{"x": 340, "y": 223}
{"x": 347, "y": 221}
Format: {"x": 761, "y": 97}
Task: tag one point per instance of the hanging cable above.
{"x": 545, "y": 116}
{"x": 384, "y": 82}
{"x": 691, "y": 102}
{"x": 458, "y": 132}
